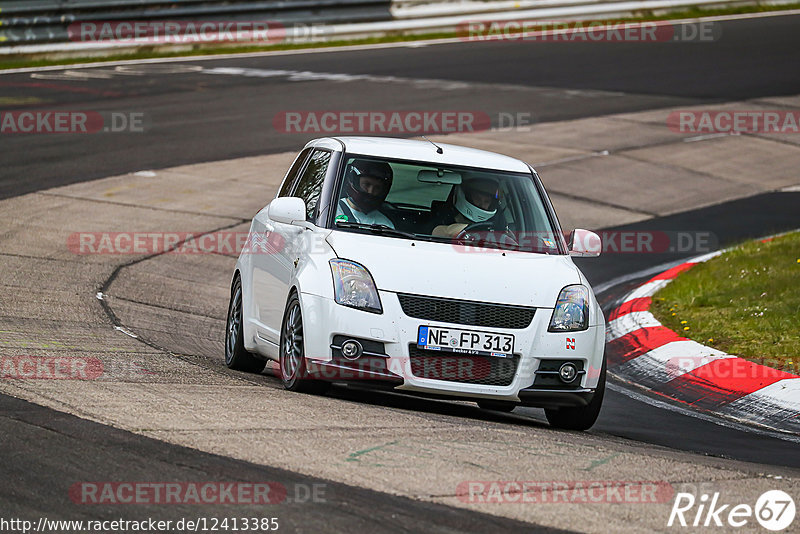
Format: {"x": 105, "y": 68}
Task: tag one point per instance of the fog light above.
{"x": 351, "y": 349}
{"x": 568, "y": 372}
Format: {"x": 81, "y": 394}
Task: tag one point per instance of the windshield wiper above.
{"x": 380, "y": 229}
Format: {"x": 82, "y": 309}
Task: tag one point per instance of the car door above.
{"x": 264, "y": 262}
{"x": 272, "y": 271}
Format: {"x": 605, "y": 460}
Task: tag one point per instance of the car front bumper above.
{"x": 397, "y": 365}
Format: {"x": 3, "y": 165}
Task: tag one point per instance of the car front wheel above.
{"x": 583, "y": 417}
{"x": 294, "y": 373}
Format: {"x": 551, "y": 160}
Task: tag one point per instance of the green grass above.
{"x": 40, "y": 60}
{"x": 745, "y": 302}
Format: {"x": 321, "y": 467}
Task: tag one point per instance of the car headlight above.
{"x": 572, "y": 310}
{"x": 353, "y": 286}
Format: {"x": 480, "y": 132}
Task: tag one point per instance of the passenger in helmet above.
{"x": 366, "y": 185}
{"x": 473, "y": 201}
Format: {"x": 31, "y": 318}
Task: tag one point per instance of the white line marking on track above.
{"x": 420, "y": 83}
{"x": 75, "y": 75}
{"x": 139, "y": 70}
{"x": 126, "y": 332}
{"x": 709, "y": 136}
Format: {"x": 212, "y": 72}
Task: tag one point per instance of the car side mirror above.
{"x": 584, "y": 244}
{"x": 288, "y": 210}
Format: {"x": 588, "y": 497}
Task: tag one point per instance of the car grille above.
{"x": 462, "y": 368}
{"x": 466, "y": 312}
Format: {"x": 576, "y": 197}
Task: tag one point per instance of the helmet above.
{"x": 360, "y": 168}
{"x": 467, "y": 196}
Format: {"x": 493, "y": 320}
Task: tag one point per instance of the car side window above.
{"x": 309, "y": 186}
{"x": 288, "y": 182}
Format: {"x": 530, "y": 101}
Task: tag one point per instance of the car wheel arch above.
{"x": 237, "y": 275}
{"x": 293, "y": 290}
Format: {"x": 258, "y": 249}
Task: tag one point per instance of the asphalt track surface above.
{"x": 69, "y": 449}
{"x": 198, "y": 117}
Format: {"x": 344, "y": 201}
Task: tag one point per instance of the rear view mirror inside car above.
{"x": 439, "y": 177}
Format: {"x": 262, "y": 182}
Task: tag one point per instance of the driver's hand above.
{"x": 450, "y": 230}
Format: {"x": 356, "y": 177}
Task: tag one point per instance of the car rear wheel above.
{"x": 294, "y": 373}
{"x": 583, "y": 417}
{"x": 497, "y": 406}
{"x": 236, "y": 357}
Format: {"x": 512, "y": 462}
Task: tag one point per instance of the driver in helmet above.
{"x": 474, "y": 201}
{"x": 366, "y": 185}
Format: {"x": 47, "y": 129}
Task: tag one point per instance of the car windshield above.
{"x": 421, "y": 200}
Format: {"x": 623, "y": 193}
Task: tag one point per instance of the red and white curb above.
{"x": 642, "y": 351}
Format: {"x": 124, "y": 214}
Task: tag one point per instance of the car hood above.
{"x": 451, "y": 271}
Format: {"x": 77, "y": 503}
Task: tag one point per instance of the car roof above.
{"x": 389, "y": 147}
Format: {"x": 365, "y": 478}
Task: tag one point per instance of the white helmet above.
{"x": 465, "y": 203}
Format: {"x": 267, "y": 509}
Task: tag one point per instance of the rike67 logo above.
{"x": 774, "y": 510}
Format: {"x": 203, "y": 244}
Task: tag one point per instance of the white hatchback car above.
{"x": 428, "y": 269}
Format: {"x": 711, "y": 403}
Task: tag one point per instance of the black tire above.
{"x": 294, "y": 373}
{"x": 497, "y": 406}
{"x": 583, "y": 417}
{"x": 236, "y": 357}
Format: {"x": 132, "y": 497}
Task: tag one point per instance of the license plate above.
{"x": 465, "y": 341}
